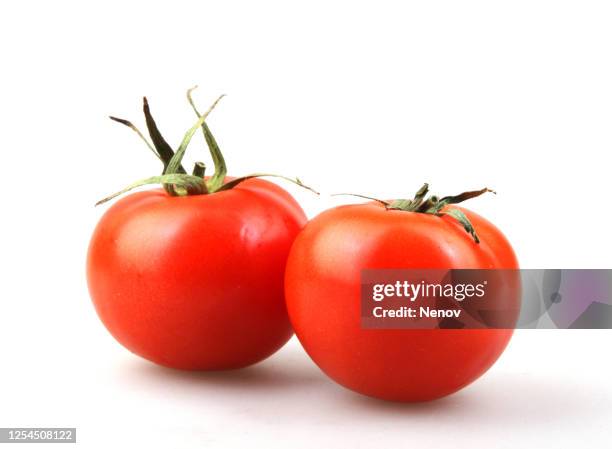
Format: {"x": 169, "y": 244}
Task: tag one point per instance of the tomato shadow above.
{"x": 518, "y": 400}
{"x": 282, "y": 371}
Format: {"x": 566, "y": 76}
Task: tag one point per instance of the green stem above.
{"x": 428, "y": 204}
{"x": 199, "y": 169}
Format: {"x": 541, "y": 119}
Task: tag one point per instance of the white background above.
{"x": 374, "y": 98}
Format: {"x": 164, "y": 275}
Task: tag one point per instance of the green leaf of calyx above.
{"x": 454, "y": 199}
{"x": 163, "y": 148}
{"x": 137, "y": 131}
{"x": 402, "y": 204}
{"x": 464, "y": 220}
{"x": 419, "y": 196}
{"x": 191, "y": 184}
{"x": 234, "y": 182}
{"x": 176, "y": 160}
{"x": 410, "y": 205}
{"x": 365, "y": 197}
{"x": 218, "y": 177}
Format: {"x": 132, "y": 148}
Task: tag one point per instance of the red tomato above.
{"x": 196, "y": 282}
{"x": 322, "y": 288}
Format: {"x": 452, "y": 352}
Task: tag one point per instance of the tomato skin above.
{"x": 322, "y": 290}
{"x": 196, "y": 282}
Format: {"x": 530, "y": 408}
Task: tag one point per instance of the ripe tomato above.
{"x": 322, "y": 289}
{"x": 196, "y": 282}
{"x": 191, "y": 276}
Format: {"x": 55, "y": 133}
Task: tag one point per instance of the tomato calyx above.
{"x": 434, "y": 205}
{"x": 174, "y": 178}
